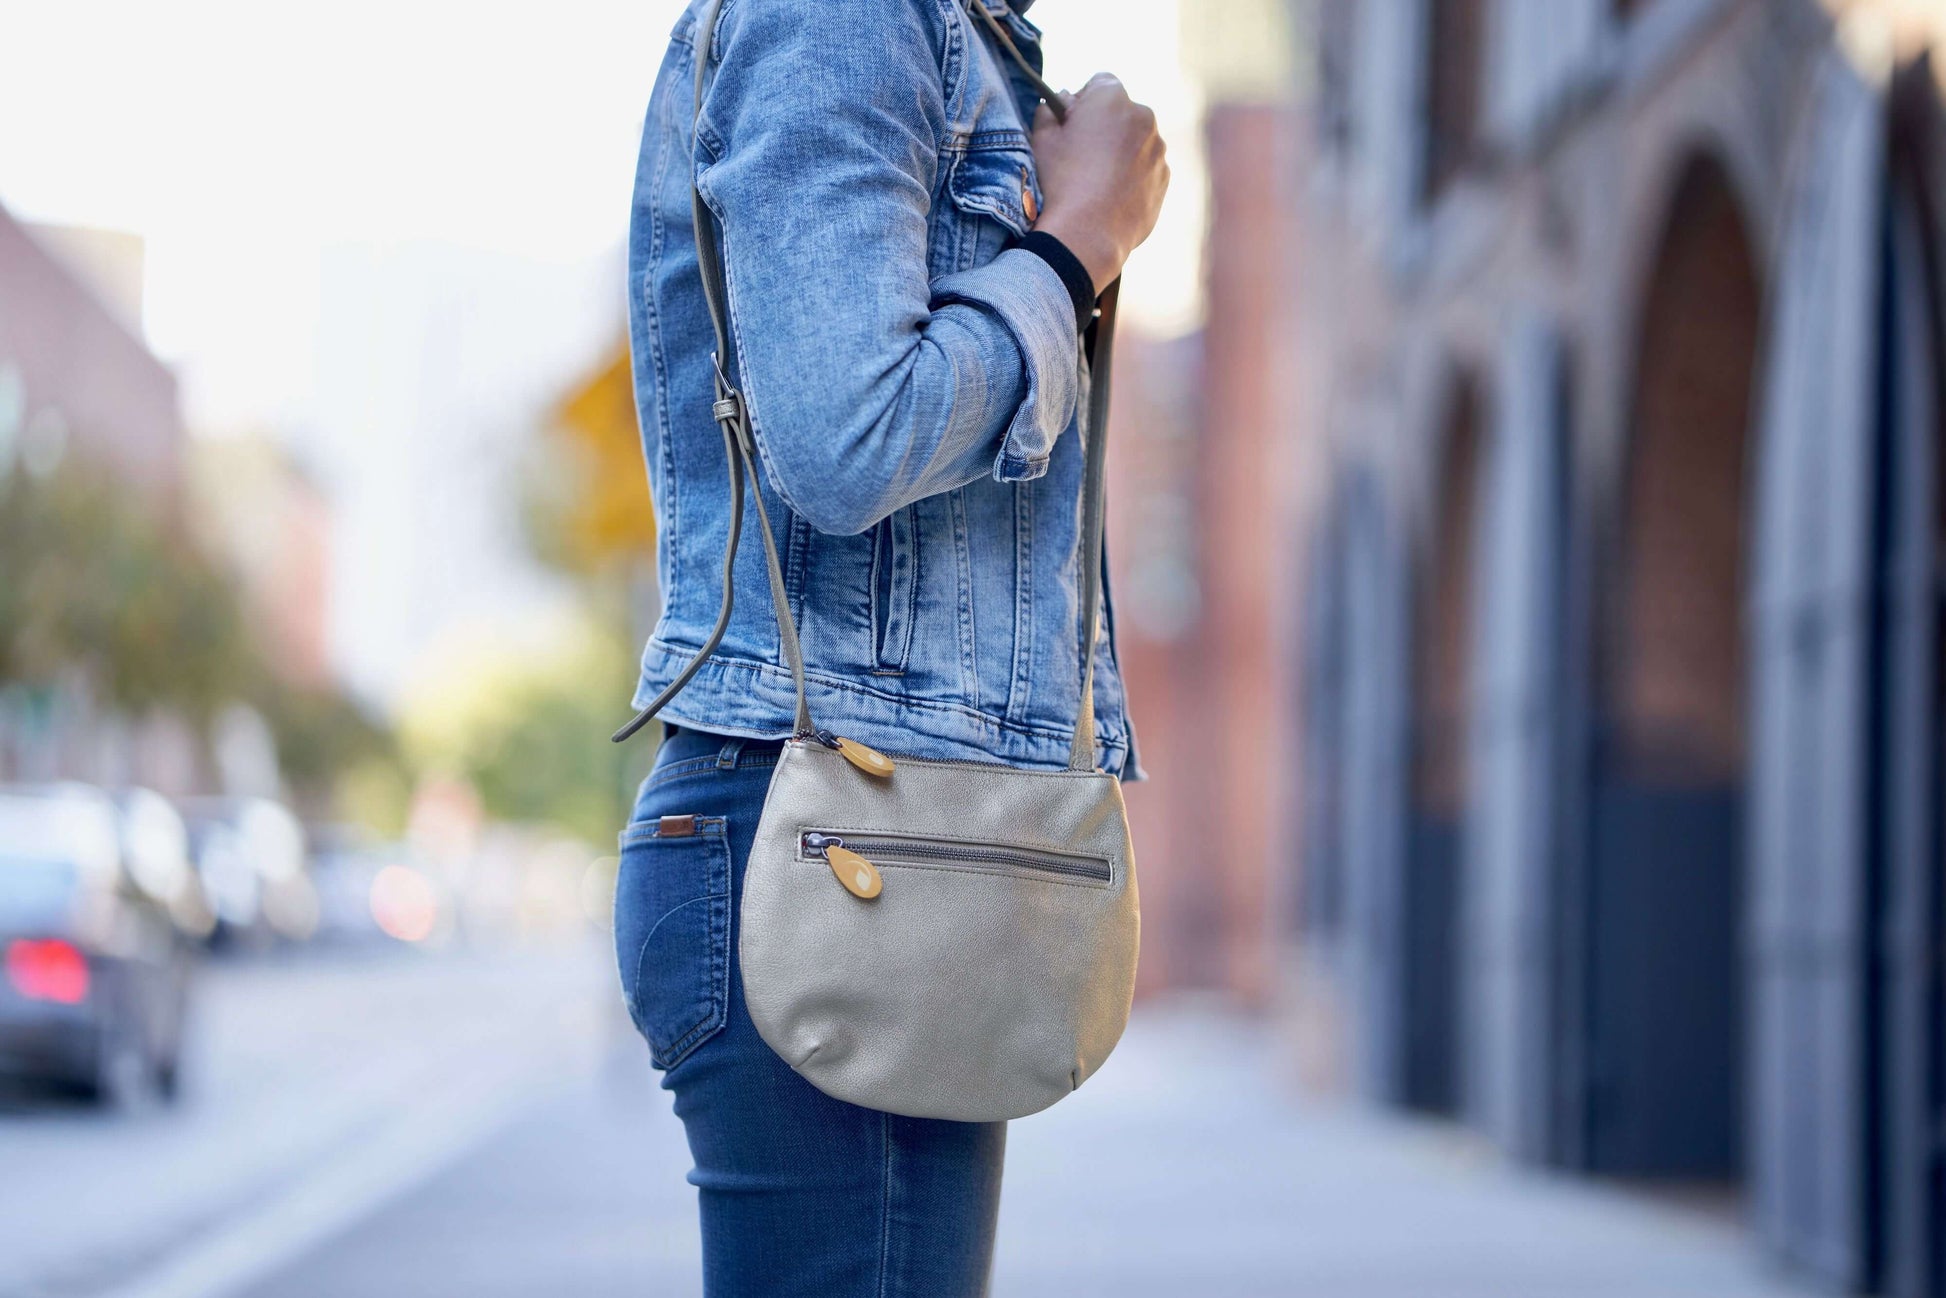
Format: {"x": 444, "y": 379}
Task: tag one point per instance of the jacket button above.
{"x": 1027, "y": 203}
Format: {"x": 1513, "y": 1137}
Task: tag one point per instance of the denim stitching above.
{"x": 635, "y": 1011}
{"x": 884, "y": 1200}
{"x": 1020, "y": 684}
{"x": 798, "y": 540}
{"x": 881, "y": 561}
{"x": 952, "y": 78}
{"x": 963, "y": 567}
{"x": 668, "y": 497}
{"x": 913, "y": 586}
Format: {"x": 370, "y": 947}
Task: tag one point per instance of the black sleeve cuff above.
{"x": 1080, "y": 285}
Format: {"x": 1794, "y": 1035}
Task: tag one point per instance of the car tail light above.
{"x": 48, "y": 970}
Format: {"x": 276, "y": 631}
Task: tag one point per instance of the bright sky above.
{"x": 251, "y": 143}
{"x": 237, "y": 137}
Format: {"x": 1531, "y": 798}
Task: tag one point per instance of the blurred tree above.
{"x": 529, "y": 731}
{"x": 104, "y": 588}
{"x": 588, "y": 508}
{"x": 589, "y": 515}
{"x": 322, "y": 738}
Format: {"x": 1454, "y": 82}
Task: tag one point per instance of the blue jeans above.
{"x": 801, "y": 1194}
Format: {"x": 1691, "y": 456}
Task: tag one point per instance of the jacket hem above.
{"x": 755, "y": 700}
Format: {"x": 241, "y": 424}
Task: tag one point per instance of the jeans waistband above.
{"x": 683, "y": 744}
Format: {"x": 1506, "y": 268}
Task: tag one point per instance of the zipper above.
{"x": 907, "y": 849}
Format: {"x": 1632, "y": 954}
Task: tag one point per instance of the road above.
{"x": 385, "y": 1127}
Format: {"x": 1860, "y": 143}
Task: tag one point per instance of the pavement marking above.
{"x": 350, "y": 1186}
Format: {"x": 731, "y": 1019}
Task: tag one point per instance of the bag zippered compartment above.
{"x": 882, "y": 848}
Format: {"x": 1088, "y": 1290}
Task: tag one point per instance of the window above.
{"x": 1455, "y": 72}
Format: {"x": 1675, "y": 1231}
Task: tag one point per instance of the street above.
{"x": 395, "y": 1124}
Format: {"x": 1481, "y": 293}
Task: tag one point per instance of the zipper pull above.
{"x": 859, "y": 876}
{"x": 866, "y": 759}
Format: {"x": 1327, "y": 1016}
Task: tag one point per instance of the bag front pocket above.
{"x": 926, "y": 852}
{"x": 672, "y": 931}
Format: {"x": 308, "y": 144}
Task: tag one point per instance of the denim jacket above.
{"x": 913, "y": 384}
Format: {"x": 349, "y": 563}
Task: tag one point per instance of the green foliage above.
{"x": 530, "y": 734}
{"x": 99, "y": 586}
{"x": 321, "y": 736}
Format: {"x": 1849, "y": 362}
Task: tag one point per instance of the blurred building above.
{"x": 74, "y": 374}
{"x": 1198, "y": 530}
{"x": 76, "y": 380}
{"x": 430, "y": 380}
{"x": 1622, "y": 648}
{"x": 266, "y": 514}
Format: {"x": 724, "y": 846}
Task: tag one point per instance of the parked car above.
{"x": 96, "y": 971}
{"x": 250, "y": 855}
{"x": 345, "y": 862}
{"x": 155, "y": 854}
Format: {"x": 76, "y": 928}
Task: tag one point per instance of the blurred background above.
{"x": 1529, "y": 534}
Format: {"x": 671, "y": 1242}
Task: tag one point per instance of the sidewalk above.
{"x": 1184, "y": 1170}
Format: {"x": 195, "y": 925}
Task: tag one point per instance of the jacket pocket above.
{"x": 895, "y": 590}
{"x": 994, "y": 193}
{"x": 672, "y": 931}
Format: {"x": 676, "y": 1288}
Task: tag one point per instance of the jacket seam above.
{"x": 1020, "y": 687}
{"x": 670, "y": 503}
{"x": 963, "y": 565}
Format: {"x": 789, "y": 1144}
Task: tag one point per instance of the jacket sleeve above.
{"x": 869, "y": 387}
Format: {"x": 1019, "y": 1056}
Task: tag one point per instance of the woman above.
{"x": 909, "y": 270}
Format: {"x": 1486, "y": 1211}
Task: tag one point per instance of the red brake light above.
{"x": 48, "y": 970}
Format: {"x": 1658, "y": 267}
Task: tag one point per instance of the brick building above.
{"x": 1622, "y": 668}
{"x": 72, "y": 369}
{"x": 1199, "y": 538}
{"x": 77, "y": 381}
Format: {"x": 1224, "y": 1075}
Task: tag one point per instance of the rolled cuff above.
{"x": 1029, "y": 300}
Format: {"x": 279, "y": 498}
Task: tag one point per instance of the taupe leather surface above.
{"x": 955, "y": 993}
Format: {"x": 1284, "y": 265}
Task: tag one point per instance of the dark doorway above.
{"x": 1455, "y": 89}
{"x": 1440, "y": 779}
{"x": 1662, "y": 1014}
{"x": 1905, "y": 1041}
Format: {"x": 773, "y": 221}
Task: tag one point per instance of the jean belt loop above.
{"x": 726, "y": 756}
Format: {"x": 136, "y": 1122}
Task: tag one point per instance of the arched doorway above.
{"x": 1441, "y": 693}
{"x": 1662, "y": 1010}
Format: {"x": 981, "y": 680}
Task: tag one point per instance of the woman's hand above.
{"x": 1102, "y": 175}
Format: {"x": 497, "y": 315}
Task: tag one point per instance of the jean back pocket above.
{"x": 672, "y": 931}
